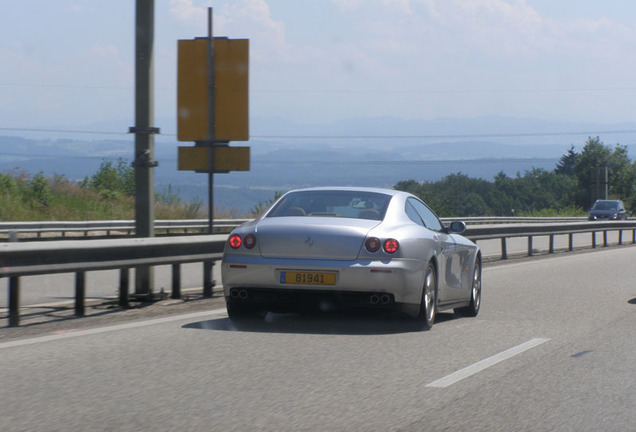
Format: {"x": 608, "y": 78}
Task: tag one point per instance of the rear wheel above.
{"x": 428, "y": 307}
{"x": 475, "y": 295}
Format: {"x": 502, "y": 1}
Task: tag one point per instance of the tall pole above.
{"x": 208, "y": 283}
{"x": 211, "y": 124}
{"x": 144, "y": 162}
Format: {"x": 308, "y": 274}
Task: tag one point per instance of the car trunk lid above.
{"x": 313, "y": 237}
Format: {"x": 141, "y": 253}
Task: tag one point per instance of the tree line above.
{"x": 569, "y": 189}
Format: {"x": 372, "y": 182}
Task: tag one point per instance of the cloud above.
{"x": 350, "y": 5}
{"x": 105, "y": 51}
{"x": 249, "y": 19}
{"x": 76, "y": 8}
{"x": 185, "y": 10}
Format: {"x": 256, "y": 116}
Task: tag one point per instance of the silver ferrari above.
{"x": 366, "y": 247}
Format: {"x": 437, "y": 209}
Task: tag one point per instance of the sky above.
{"x": 70, "y": 63}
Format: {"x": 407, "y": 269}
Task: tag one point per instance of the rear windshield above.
{"x": 606, "y": 205}
{"x": 346, "y": 204}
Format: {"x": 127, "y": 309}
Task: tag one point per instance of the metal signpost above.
{"x": 212, "y": 109}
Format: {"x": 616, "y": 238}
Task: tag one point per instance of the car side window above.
{"x": 413, "y": 214}
{"x": 430, "y": 220}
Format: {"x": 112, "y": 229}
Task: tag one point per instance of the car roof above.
{"x": 391, "y": 192}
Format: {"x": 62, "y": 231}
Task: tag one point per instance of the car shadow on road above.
{"x": 331, "y": 323}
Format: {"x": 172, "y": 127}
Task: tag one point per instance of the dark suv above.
{"x": 607, "y": 210}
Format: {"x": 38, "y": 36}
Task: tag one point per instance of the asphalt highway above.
{"x": 552, "y": 349}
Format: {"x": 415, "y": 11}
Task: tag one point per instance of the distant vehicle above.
{"x": 366, "y": 247}
{"x": 607, "y": 210}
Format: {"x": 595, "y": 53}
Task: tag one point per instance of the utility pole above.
{"x": 601, "y": 183}
{"x": 144, "y": 131}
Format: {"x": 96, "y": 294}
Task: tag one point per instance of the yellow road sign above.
{"x": 225, "y": 159}
{"x": 231, "y": 80}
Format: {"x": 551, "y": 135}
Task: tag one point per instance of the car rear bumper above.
{"x": 374, "y": 283}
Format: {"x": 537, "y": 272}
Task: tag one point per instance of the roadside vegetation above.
{"x": 109, "y": 193}
{"x": 106, "y": 195}
{"x": 568, "y": 190}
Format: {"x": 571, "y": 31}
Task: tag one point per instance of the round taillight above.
{"x": 235, "y": 241}
{"x": 391, "y": 246}
{"x": 372, "y": 244}
{"x": 249, "y": 241}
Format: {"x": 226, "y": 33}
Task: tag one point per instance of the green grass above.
{"x": 38, "y": 198}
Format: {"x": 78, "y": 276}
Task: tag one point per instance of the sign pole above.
{"x": 211, "y": 124}
{"x": 208, "y": 266}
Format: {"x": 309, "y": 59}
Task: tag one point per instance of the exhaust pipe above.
{"x": 377, "y": 299}
{"x": 236, "y": 293}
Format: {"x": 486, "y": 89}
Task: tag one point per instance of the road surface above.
{"x": 552, "y": 349}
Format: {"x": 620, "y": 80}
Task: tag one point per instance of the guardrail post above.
{"x": 80, "y": 292}
{"x": 620, "y": 237}
{"x": 529, "y": 245}
{"x": 124, "y": 287}
{"x": 634, "y": 236}
{"x": 551, "y": 247}
{"x": 208, "y": 284}
{"x": 604, "y": 238}
{"x": 570, "y": 242}
{"x": 593, "y": 240}
{"x": 504, "y": 249}
{"x": 176, "y": 281}
{"x": 14, "y": 301}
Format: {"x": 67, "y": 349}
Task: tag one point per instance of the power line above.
{"x": 446, "y": 91}
{"x": 347, "y": 90}
{"x": 66, "y": 86}
{"x": 503, "y": 135}
{"x": 314, "y": 162}
{"x": 62, "y": 131}
{"x": 362, "y": 137}
{"x": 408, "y": 162}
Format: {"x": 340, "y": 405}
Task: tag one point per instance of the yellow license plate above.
{"x": 307, "y": 278}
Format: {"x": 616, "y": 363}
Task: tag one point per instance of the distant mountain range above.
{"x": 284, "y": 155}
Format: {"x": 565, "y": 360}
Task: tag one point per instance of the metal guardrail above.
{"x": 506, "y": 231}
{"x": 127, "y": 227}
{"x": 79, "y": 256}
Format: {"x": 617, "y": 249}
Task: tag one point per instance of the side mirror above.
{"x": 457, "y": 227}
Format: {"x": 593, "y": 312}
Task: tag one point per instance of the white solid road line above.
{"x": 98, "y": 330}
{"x": 485, "y": 363}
